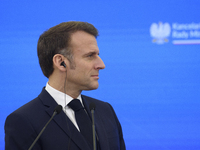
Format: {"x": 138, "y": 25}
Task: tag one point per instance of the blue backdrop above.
{"x": 152, "y": 55}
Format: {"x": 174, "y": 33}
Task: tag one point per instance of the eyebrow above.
{"x": 92, "y": 52}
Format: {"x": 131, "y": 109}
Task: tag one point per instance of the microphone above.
{"x": 57, "y": 110}
{"x": 92, "y": 108}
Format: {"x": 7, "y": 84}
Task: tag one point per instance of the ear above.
{"x": 58, "y": 60}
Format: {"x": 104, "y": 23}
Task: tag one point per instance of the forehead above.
{"x": 82, "y": 37}
{"x": 81, "y": 40}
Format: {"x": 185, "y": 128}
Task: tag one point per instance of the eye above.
{"x": 91, "y": 55}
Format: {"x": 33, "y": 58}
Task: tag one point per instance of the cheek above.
{"x": 84, "y": 68}
{"x": 79, "y": 73}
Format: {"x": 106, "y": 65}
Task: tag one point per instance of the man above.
{"x": 69, "y": 57}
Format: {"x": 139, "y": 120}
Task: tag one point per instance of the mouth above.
{"x": 95, "y": 76}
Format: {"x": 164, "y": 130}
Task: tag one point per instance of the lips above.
{"x": 95, "y": 76}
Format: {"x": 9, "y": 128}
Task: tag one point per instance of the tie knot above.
{"x": 75, "y": 104}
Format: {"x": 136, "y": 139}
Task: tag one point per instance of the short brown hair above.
{"x": 56, "y": 40}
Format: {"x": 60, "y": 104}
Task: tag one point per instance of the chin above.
{"x": 92, "y": 88}
{"x": 96, "y": 87}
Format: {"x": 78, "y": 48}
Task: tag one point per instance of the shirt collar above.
{"x": 60, "y": 97}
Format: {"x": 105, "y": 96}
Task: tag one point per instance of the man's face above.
{"x": 85, "y": 74}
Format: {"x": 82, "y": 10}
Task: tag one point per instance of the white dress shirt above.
{"x": 63, "y": 99}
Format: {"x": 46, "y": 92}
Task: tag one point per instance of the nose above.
{"x": 99, "y": 64}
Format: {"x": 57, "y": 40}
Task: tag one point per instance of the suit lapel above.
{"x": 99, "y": 126}
{"x": 63, "y": 121}
{"x": 68, "y": 127}
{"x": 101, "y": 132}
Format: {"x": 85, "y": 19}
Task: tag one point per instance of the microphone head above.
{"x": 92, "y": 106}
{"x": 58, "y": 109}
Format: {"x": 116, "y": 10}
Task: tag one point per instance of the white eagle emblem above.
{"x": 160, "y": 32}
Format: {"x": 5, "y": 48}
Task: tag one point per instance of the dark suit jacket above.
{"x": 23, "y": 125}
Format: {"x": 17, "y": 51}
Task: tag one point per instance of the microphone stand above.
{"x": 93, "y": 130}
{"x": 56, "y": 111}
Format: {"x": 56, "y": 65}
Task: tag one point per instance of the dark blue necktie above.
{"x": 83, "y": 120}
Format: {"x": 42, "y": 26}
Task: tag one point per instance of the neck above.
{"x": 73, "y": 94}
{"x": 67, "y": 89}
